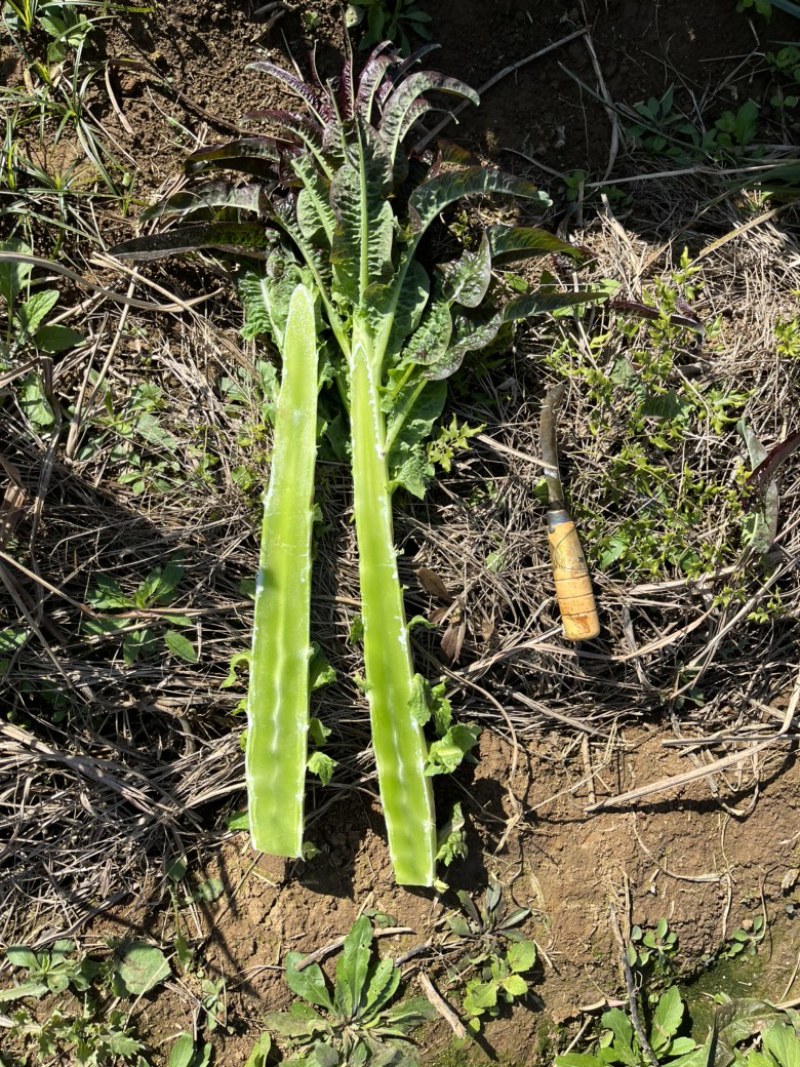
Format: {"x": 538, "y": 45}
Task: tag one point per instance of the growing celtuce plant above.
{"x": 341, "y": 196}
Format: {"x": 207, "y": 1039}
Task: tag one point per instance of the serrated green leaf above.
{"x": 578, "y": 1059}
{"x": 415, "y": 409}
{"x": 519, "y": 242}
{"x": 515, "y": 985}
{"x": 466, "y": 281}
{"x": 480, "y": 997}
{"x": 322, "y": 765}
{"x": 314, "y": 215}
{"x": 521, "y": 956}
{"x": 250, "y": 155}
{"x": 447, "y": 753}
{"x": 266, "y": 297}
{"x": 783, "y": 1043}
{"x": 248, "y": 237}
{"x": 411, "y": 302}
{"x": 219, "y": 194}
{"x": 429, "y": 343}
{"x": 321, "y": 673}
{"x": 361, "y": 254}
{"x": 433, "y": 196}
{"x": 404, "y": 106}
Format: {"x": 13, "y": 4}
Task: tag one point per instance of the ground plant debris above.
{"x": 617, "y": 844}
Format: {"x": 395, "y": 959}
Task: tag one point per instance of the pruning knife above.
{"x": 574, "y": 594}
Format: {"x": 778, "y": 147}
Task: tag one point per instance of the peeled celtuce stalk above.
{"x": 278, "y": 695}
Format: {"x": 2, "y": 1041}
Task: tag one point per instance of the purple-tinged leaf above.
{"x": 252, "y": 197}
{"x": 396, "y": 121}
{"x": 543, "y": 303}
{"x": 316, "y": 102}
{"x": 292, "y": 125}
{"x": 250, "y": 237}
{"x": 411, "y": 60}
{"x": 435, "y": 195}
{"x": 521, "y": 242}
{"x": 372, "y": 75}
{"x": 466, "y": 280}
{"x": 688, "y": 320}
{"x": 346, "y": 94}
{"x": 767, "y": 468}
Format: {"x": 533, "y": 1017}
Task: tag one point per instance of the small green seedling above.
{"x": 498, "y": 953}
{"x": 746, "y": 939}
{"x": 652, "y": 946}
{"x": 620, "y": 1045}
{"x": 158, "y": 590}
{"x": 357, "y": 1021}
{"x": 50, "y": 971}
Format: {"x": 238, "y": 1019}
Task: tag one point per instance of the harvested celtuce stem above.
{"x": 400, "y": 748}
{"x": 278, "y": 696}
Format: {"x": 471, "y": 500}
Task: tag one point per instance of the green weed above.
{"x": 159, "y": 589}
{"x": 96, "y": 1031}
{"x": 663, "y": 129}
{"x": 651, "y": 499}
{"x": 496, "y": 954}
{"x": 359, "y": 1020}
{"x": 390, "y": 20}
{"x": 652, "y": 948}
{"x": 620, "y": 1044}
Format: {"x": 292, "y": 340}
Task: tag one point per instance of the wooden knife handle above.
{"x": 571, "y": 574}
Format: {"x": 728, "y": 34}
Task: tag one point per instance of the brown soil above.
{"x": 708, "y": 858}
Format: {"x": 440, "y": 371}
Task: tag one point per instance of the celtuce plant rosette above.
{"x": 326, "y": 225}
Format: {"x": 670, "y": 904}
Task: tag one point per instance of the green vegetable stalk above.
{"x": 400, "y": 748}
{"x": 278, "y": 696}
